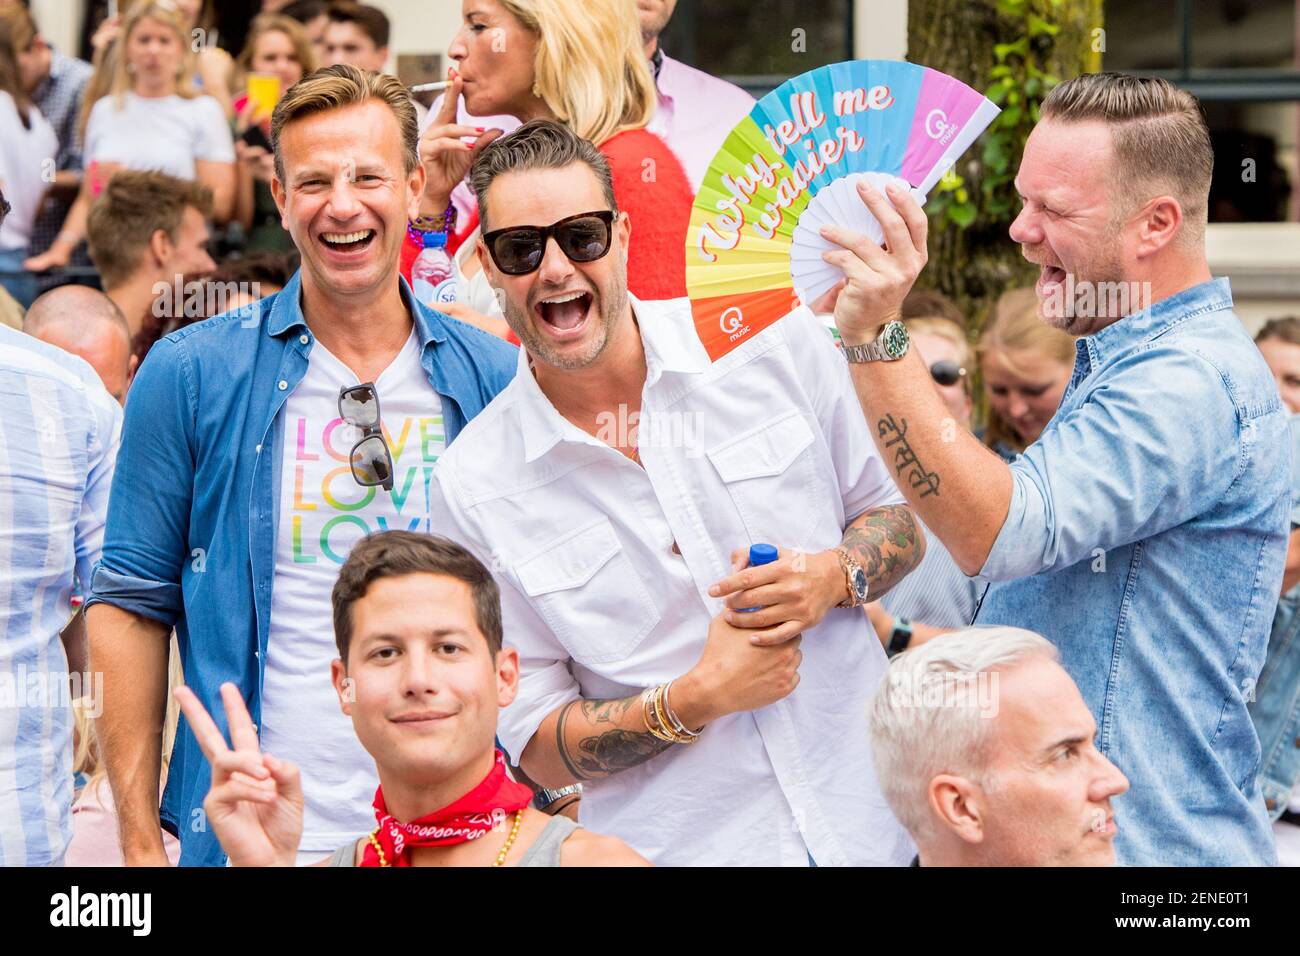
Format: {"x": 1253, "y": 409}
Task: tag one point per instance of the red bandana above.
{"x": 474, "y": 815}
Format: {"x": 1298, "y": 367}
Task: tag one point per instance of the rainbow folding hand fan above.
{"x": 753, "y": 251}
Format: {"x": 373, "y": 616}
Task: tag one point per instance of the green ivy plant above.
{"x": 1018, "y": 82}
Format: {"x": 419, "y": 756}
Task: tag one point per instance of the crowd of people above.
{"x": 570, "y": 593}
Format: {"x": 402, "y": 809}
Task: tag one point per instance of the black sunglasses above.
{"x": 518, "y": 250}
{"x": 371, "y": 463}
{"x": 947, "y": 372}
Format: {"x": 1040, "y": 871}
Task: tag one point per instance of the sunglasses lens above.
{"x": 359, "y": 406}
{"x": 371, "y": 464}
{"x": 946, "y": 372}
{"x": 584, "y": 240}
{"x": 517, "y": 251}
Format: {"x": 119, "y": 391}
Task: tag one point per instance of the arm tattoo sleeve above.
{"x": 603, "y": 742}
{"x": 884, "y": 541}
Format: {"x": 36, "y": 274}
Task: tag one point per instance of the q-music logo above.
{"x": 733, "y": 324}
{"x": 938, "y": 127}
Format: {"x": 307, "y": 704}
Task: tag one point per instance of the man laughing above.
{"x": 257, "y": 451}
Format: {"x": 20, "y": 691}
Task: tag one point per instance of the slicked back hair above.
{"x": 339, "y": 86}
{"x": 538, "y": 144}
{"x": 1160, "y": 140}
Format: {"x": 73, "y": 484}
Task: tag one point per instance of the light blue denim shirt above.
{"x": 1146, "y": 538}
{"x": 193, "y": 512}
{"x": 1276, "y": 707}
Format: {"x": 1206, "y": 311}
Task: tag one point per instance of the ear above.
{"x": 957, "y": 804}
{"x": 507, "y": 675}
{"x": 278, "y": 194}
{"x": 344, "y": 686}
{"x": 623, "y": 229}
{"x": 161, "y": 247}
{"x": 1158, "y": 225}
{"x": 415, "y": 185}
{"x": 485, "y": 262}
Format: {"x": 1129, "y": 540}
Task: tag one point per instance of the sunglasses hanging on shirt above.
{"x": 370, "y": 460}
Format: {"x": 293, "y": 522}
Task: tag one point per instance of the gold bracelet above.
{"x": 677, "y": 725}
{"x": 647, "y": 698}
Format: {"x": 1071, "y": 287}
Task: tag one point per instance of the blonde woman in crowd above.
{"x": 1026, "y": 365}
{"x": 276, "y": 46}
{"x": 581, "y": 62}
{"x": 149, "y": 118}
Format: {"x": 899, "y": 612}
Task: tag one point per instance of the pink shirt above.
{"x": 94, "y": 831}
{"x": 696, "y": 113}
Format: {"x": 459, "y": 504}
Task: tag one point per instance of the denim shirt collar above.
{"x": 1133, "y": 330}
{"x": 286, "y": 313}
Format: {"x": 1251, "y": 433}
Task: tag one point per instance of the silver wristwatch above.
{"x": 890, "y": 345}
{"x": 543, "y": 798}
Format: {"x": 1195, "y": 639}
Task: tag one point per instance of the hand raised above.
{"x": 445, "y": 155}
{"x": 877, "y": 278}
{"x": 255, "y": 803}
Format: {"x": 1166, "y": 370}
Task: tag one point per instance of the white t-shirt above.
{"x": 23, "y": 155}
{"x": 323, "y": 513}
{"x": 166, "y": 133}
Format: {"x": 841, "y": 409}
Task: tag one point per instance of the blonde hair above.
{"x": 591, "y": 69}
{"x": 1016, "y": 327}
{"x": 948, "y": 330}
{"x": 111, "y": 77}
{"x": 85, "y": 753}
{"x": 275, "y": 23}
{"x": 1161, "y": 142}
{"x": 341, "y": 85}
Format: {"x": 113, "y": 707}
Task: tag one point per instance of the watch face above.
{"x": 894, "y": 340}
{"x": 860, "y": 584}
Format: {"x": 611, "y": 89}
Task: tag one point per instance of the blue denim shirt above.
{"x": 192, "y": 516}
{"x": 1146, "y": 539}
{"x": 1276, "y": 704}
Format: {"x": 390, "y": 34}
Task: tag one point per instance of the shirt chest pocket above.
{"x": 772, "y": 478}
{"x": 589, "y": 594}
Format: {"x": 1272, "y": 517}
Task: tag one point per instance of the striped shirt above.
{"x": 58, "y": 440}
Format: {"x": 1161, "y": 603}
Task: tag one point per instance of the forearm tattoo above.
{"x": 600, "y": 752}
{"x": 904, "y": 457}
{"x": 884, "y": 541}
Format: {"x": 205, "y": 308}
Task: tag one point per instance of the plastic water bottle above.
{"x": 759, "y": 554}
{"x": 433, "y": 278}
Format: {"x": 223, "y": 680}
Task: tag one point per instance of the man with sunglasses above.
{"x": 259, "y": 447}
{"x": 717, "y": 713}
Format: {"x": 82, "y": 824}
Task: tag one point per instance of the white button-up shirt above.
{"x": 768, "y": 444}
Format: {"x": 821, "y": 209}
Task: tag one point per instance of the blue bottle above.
{"x": 759, "y": 554}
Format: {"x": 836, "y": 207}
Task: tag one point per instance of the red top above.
{"x": 651, "y": 187}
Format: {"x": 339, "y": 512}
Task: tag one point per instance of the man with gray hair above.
{"x": 87, "y": 323}
{"x": 984, "y": 749}
{"x": 1145, "y": 530}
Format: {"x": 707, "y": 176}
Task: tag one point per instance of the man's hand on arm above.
{"x": 959, "y": 488}
{"x": 130, "y": 651}
{"x": 593, "y": 739}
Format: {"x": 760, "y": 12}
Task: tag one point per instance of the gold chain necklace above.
{"x": 501, "y": 857}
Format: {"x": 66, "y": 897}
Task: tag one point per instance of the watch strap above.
{"x": 900, "y": 637}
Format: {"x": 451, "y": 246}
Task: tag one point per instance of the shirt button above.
{"x": 303, "y": 339}
{"x": 257, "y": 653}
{"x": 258, "y": 449}
{"x": 283, "y": 385}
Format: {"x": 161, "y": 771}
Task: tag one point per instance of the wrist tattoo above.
{"x": 884, "y": 542}
{"x": 605, "y": 752}
{"x": 904, "y": 457}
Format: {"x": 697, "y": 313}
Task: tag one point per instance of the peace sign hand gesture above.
{"x": 255, "y": 804}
